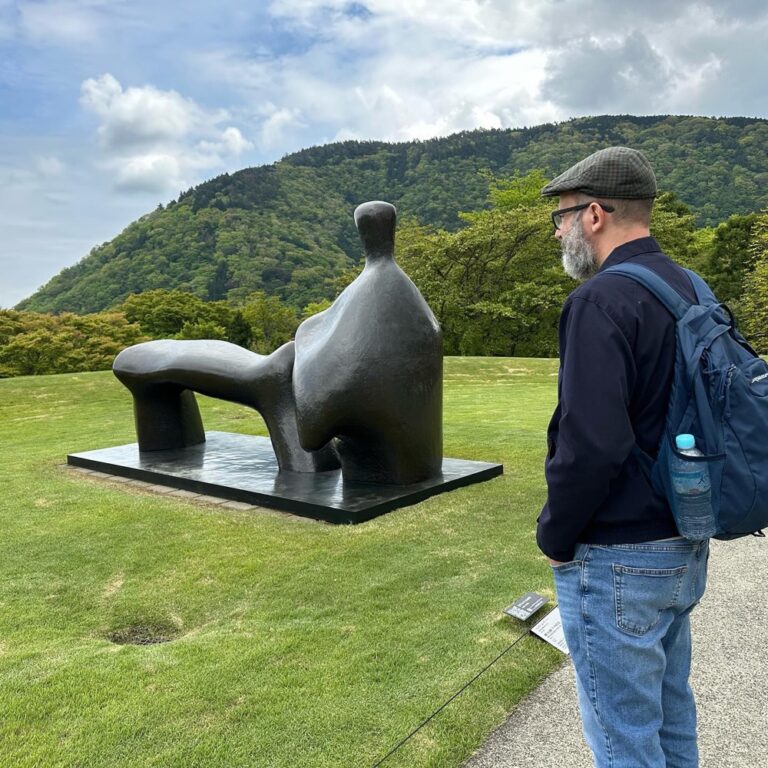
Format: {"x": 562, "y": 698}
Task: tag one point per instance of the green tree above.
{"x": 34, "y": 344}
{"x": 314, "y": 308}
{"x": 35, "y": 352}
{"x": 202, "y": 329}
{"x": 239, "y": 331}
{"x": 164, "y": 314}
{"x": 673, "y": 224}
{"x": 753, "y": 310}
{"x": 730, "y": 257}
{"x": 497, "y": 285}
{"x": 219, "y": 283}
{"x": 272, "y": 322}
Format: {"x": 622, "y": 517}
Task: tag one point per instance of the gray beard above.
{"x": 579, "y": 260}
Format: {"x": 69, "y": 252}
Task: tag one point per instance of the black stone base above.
{"x": 244, "y": 468}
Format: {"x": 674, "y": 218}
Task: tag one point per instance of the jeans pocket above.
{"x": 641, "y": 594}
{"x": 579, "y": 553}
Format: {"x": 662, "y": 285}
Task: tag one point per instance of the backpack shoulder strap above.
{"x": 658, "y": 286}
{"x": 703, "y": 291}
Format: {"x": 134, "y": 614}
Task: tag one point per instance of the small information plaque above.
{"x": 550, "y": 629}
{"x": 524, "y": 607}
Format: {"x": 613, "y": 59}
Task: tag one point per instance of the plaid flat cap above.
{"x": 616, "y": 172}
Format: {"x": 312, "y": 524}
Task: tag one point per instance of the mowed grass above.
{"x": 297, "y": 643}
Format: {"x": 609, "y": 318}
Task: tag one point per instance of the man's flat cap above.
{"x": 616, "y": 172}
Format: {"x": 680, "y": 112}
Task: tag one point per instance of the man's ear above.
{"x": 595, "y": 217}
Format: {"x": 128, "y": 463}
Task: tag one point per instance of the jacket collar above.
{"x": 628, "y": 250}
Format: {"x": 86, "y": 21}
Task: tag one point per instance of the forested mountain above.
{"x": 286, "y": 229}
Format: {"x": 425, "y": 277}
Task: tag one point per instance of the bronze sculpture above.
{"x": 361, "y": 384}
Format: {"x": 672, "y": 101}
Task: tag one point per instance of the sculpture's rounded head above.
{"x": 375, "y": 222}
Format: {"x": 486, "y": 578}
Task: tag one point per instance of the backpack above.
{"x": 720, "y": 395}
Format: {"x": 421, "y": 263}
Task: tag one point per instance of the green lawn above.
{"x": 297, "y": 643}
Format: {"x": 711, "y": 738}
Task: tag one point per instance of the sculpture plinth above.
{"x": 243, "y": 468}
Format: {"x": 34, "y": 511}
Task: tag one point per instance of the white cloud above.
{"x": 60, "y": 21}
{"x": 688, "y": 88}
{"x": 596, "y": 76}
{"x": 139, "y": 115}
{"x": 402, "y": 69}
{"x": 157, "y": 140}
{"x": 389, "y": 97}
{"x": 475, "y": 22}
{"x": 278, "y": 125}
{"x": 149, "y": 172}
{"x": 231, "y": 142}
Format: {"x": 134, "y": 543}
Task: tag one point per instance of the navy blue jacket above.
{"x": 617, "y": 356}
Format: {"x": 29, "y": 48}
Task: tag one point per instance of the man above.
{"x": 626, "y": 581}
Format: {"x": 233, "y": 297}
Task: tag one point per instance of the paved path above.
{"x": 729, "y": 676}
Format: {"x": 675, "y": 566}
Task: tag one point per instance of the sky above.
{"x": 111, "y": 107}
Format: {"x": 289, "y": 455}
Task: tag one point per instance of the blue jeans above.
{"x": 625, "y": 610}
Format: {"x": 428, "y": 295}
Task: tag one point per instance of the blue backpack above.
{"x": 719, "y": 395}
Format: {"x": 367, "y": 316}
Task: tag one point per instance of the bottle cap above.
{"x": 684, "y": 442}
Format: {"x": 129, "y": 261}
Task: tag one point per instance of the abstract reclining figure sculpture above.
{"x": 163, "y": 376}
{"x": 361, "y": 386}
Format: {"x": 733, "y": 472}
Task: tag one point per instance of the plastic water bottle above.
{"x": 693, "y": 492}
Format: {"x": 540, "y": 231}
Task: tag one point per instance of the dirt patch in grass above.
{"x": 144, "y": 633}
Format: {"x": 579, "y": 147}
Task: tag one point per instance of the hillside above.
{"x": 287, "y": 228}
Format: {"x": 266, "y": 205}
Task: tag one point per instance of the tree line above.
{"x": 496, "y": 286}
{"x": 34, "y": 343}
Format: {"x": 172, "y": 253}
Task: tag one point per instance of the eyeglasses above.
{"x": 557, "y": 216}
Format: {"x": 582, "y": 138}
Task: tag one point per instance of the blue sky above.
{"x": 108, "y": 108}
